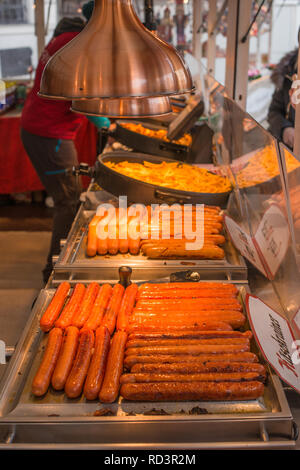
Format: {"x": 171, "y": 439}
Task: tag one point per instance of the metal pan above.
{"x": 140, "y": 192}
{"x": 30, "y": 422}
{"x": 150, "y": 145}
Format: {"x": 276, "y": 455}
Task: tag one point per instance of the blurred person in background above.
{"x": 48, "y": 130}
{"x": 281, "y": 116}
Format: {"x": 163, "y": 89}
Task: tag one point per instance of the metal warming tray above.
{"x": 73, "y": 260}
{"x": 58, "y": 422}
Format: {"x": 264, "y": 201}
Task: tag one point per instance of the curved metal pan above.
{"x": 146, "y": 193}
{"x": 150, "y": 145}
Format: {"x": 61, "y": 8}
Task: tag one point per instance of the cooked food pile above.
{"x": 184, "y": 227}
{"x": 174, "y": 175}
{"x": 160, "y": 134}
{"x": 262, "y": 167}
{"x": 156, "y": 342}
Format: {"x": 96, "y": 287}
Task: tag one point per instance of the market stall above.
{"x": 171, "y": 318}
{"x": 179, "y": 360}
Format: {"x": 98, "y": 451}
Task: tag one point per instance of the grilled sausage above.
{"x": 110, "y": 316}
{"x": 160, "y": 305}
{"x": 98, "y": 363}
{"x": 193, "y": 334}
{"x": 86, "y": 306}
{"x": 204, "y": 286}
{"x": 66, "y": 317}
{"x": 199, "y": 367}
{"x": 42, "y": 378}
{"x": 111, "y": 382}
{"x": 54, "y": 308}
{"x": 235, "y": 319}
{"x": 193, "y": 350}
{"x": 76, "y": 378}
{"x": 204, "y": 377}
{"x": 204, "y": 325}
{"x": 161, "y": 252}
{"x": 99, "y": 307}
{"x": 126, "y": 307}
{"x": 65, "y": 358}
{"x": 129, "y": 361}
{"x": 185, "y": 342}
{"x": 178, "y": 391}
{"x": 91, "y": 247}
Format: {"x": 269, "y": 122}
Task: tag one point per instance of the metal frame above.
{"x": 237, "y": 56}
{"x": 39, "y": 14}
{"x": 211, "y": 41}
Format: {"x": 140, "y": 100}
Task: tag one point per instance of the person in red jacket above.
{"x": 48, "y": 130}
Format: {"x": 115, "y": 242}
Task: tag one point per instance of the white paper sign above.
{"x": 272, "y": 239}
{"x": 276, "y": 340}
{"x": 244, "y": 243}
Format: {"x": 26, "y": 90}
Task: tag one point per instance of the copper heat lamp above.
{"x": 116, "y": 63}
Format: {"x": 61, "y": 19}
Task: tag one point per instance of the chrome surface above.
{"x": 29, "y": 422}
{"x": 73, "y": 259}
{"x": 115, "y": 56}
{"x": 126, "y": 107}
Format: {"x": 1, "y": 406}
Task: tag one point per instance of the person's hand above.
{"x": 288, "y": 136}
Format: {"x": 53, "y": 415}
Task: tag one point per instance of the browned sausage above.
{"x": 129, "y": 361}
{"x": 233, "y": 318}
{"x": 208, "y": 325}
{"x": 76, "y": 378}
{"x": 185, "y": 342}
{"x": 193, "y": 350}
{"x": 199, "y": 367}
{"x": 178, "y": 391}
{"x": 42, "y": 378}
{"x": 205, "y": 377}
{"x": 66, "y": 357}
{"x": 54, "y": 308}
{"x": 111, "y": 382}
{"x": 98, "y": 363}
{"x": 175, "y": 335}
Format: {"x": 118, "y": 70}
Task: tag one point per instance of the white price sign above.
{"x": 272, "y": 238}
{"x": 276, "y": 341}
{"x": 244, "y": 243}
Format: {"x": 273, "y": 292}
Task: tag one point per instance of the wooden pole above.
{"x": 39, "y": 17}
{"x": 197, "y": 33}
{"x": 212, "y": 35}
{"x": 237, "y": 54}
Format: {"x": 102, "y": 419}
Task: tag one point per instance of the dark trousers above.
{"x": 50, "y": 157}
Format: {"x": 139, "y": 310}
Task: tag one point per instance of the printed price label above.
{"x": 276, "y": 340}
{"x": 272, "y": 238}
{"x": 244, "y": 243}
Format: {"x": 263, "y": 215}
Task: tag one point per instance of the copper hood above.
{"x": 124, "y": 107}
{"x": 115, "y": 56}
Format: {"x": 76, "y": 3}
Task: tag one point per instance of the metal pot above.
{"x": 146, "y": 193}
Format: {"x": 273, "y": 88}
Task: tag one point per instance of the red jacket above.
{"x": 50, "y": 118}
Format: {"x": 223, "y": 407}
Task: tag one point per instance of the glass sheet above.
{"x": 259, "y": 202}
